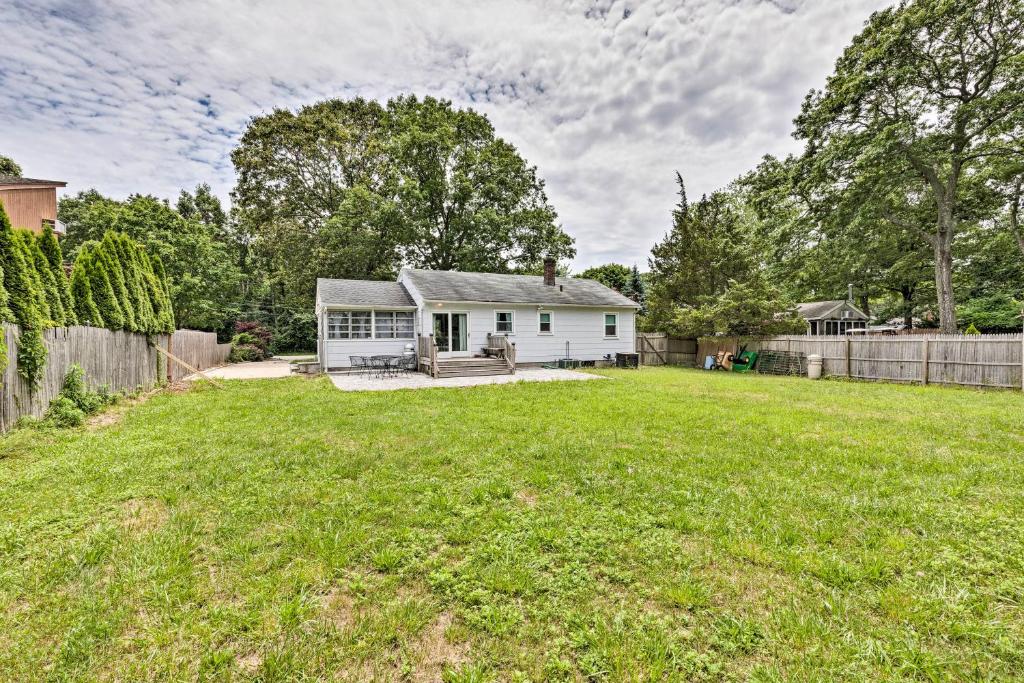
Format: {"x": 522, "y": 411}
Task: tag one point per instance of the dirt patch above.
{"x": 250, "y": 663}
{"x": 436, "y": 651}
{"x": 527, "y": 498}
{"x": 339, "y": 608}
{"x": 116, "y": 413}
{"x": 143, "y": 515}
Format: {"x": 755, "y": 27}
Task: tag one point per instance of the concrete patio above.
{"x": 360, "y": 382}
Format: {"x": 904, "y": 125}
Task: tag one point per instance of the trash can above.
{"x": 627, "y": 360}
{"x": 814, "y": 366}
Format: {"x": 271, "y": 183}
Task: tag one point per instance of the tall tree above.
{"x": 614, "y": 275}
{"x": 9, "y": 167}
{"x": 348, "y": 188}
{"x": 708, "y": 247}
{"x": 927, "y": 92}
{"x": 51, "y": 249}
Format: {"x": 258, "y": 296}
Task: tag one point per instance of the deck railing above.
{"x": 426, "y": 350}
{"x": 506, "y": 349}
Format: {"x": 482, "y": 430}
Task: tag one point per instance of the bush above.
{"x": 261, "y": 336}
{"x": 64, "y": 413}
{"x": 295, "y": 332}
{"x": 242, "y": 353}
{"x": 75, "y": 401}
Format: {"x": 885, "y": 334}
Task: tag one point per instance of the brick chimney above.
{"x": 549, "y": 271}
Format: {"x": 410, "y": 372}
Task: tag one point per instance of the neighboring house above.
{"x": 546, "y": 317}
{"x": 31, "y": 203}
{"x": 832, "y": 317}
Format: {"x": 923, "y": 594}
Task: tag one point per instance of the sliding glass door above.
{"x": 451, "y": 334}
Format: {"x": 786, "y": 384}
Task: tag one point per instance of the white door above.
{"x": 451, "y": 334}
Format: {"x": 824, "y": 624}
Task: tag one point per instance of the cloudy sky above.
{"x": 608, "y": 98}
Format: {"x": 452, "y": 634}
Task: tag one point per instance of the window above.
{"x": 544, "y": 322}
{"x": 504, "y": 322}
{"x": 611, "y": 324}
{"x": 370, "y": 324}
{"x": 393, "y": 324}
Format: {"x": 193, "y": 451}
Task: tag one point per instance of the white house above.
{"x": 463, "y": 316}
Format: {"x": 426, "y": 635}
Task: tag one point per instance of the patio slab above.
{"x": 347, "y": 382}
{"x": 267, "y": 369}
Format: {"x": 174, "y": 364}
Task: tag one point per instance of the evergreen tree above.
{"x": 22, "y": 302}
{"x": 25, "y": 242}
{"x": 17, "y": 281}
{"x": 102, "y": 290}
{"x": 166, "y": 318}
{"x": 42, "y": 267}
{"x": 140, "y": 264}
{"x": 635, "y": 288}
{"x": 107, "y": 251}
{"x": 55, "y": 258}
{"x": 85, "y": 310}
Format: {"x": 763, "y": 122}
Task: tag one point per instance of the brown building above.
{"x": 30, "y": 203}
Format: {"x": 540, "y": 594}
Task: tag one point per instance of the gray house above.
{"x": 472, "y": 322}
{"x": 832, "y": 317}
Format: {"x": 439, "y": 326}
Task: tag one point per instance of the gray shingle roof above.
{"x": 28, "y": 182}
{"x": 439, "y": 285}
{"x": 362, "y": 293}
{"x": 814, "y": 310}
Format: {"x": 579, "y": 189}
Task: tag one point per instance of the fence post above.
{"x": 924, "y": 361}
{"x": 849, "y": 372}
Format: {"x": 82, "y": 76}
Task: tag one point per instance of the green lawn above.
{"x": 667, "y": 525}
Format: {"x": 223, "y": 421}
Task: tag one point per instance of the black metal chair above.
{"x": 358, "y": 364}
{"x": 408, "y": 363}
{"x": 382, "y": 366}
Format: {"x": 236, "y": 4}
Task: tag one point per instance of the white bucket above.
{"x": 814, "y": 366}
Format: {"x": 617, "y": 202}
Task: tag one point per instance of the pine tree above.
{"x": 102, "y": 289}
{"x": 126, "y": 248}
{"x": 23, "y": 302}
{"x": 139, "y": 265}
{"x": 53, "y": 300}
{"x": 85, "y": 310}
{"x": 636, "y": 289}
{"x": 166, "y": 319}
{"x": 55, "y": 258}
{"x": 108, "y": 253}
{"x": 25, "y": 242}
{"x": 17, "y": 281}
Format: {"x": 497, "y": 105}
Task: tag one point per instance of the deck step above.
{"x": 477, "y": 372}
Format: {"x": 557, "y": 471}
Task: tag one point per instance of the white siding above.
{"x": 582, "y": 327}
{"x": 339, "y": 350}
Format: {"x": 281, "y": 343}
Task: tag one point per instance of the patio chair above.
{"x": 359, "y": 364}
{"x": 382, "y": 366}
{"x": 408, "y": 364}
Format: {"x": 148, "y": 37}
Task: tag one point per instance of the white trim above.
{"x": 469, "y": 333}
{"x": 512, "y": 322}
{"x": 604, "y": 324}
{"x": 551, "y": 322}
{"x": 343, "y": 307}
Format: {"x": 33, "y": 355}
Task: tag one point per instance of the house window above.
{"x": 393, "y": 324}
{"x": 504, "y": 322}
{"x": 370, "y": 324}
{"x": 611, "y": 324}
{"x": 544, "y": 322}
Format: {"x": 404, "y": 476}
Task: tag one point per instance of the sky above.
{"x": 607, "y": 98}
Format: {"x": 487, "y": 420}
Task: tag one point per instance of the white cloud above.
{"x": 607, "y": 98}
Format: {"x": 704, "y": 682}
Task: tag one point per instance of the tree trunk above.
{"x": 944, "y": 283}
{"x": 908, "y": 306}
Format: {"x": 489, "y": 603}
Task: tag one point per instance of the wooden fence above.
{"x": 121, "y": 361}
{"x": 198, "y": 349}
{"x": 985, "y": 360}
{"x": 658, "y": 348}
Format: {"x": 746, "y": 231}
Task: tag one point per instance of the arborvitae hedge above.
{"x": 85, "y": 308}
{"x": 50, "y": 288}
{"x": 102, "y": 289}
{"x": 50, "y": 247}
{"x": 125, "y": 287}
{"x": 24, "y": 243}
{"x": 107, "y": 252}
{"x": 23, "y": 300}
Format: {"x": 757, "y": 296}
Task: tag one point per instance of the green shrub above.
{"x": 241, "y": 353}
{"x": 85, "y": 310}
{"x": 102, "y": 289}
{"x": 50, "y": 247}
{"x": 75, "y": 401}
{"x": 64, "y": 413}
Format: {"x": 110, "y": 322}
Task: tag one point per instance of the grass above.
{"x": 665, "y": 525}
